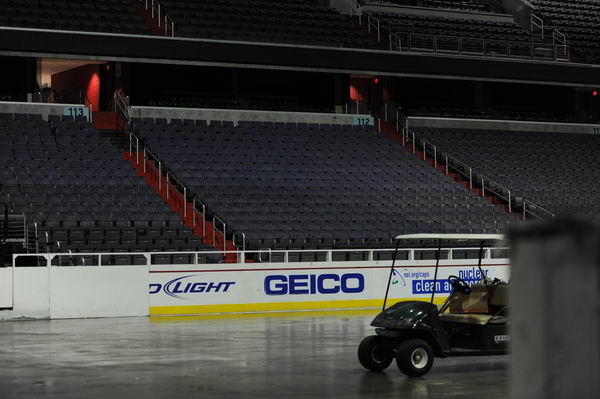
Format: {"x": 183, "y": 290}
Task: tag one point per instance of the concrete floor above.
{"x": 302, "y": 355}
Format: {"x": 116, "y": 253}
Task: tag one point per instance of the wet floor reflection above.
{"x": 295, "y": 356}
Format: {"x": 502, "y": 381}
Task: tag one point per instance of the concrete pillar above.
{"x": 555, "y": 310}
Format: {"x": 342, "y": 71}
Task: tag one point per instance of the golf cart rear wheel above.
{"x": 414, "y": 357}
{"x": 374, "y": 353}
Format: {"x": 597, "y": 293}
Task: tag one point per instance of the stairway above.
{"x": 202, "y": 228}
{"x": 107, "y": 120}
{"x": 118, "y": 138}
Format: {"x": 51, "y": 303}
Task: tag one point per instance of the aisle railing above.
{"x": 324, "y": 257}
{"x": 176, "y": 193}
{"x": 406, "y": 41}
{"x": 159, "y": 17}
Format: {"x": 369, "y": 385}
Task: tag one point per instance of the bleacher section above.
{"x": 110, "y": 16}
{"x": 73, "y": 183}
{"x": 516, "y": 114}
{"x": 288, "y": 185}
{"x": 557, "y": 171}
{"x": 579, "y": 20}
{"x": 466, "y": 5}
{"x": 416, "y": 30}
{"x": 283, "y": 21}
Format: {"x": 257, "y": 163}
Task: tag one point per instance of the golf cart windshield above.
{"x": 481, "y": 238}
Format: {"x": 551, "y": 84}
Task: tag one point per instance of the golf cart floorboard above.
{"x": 454, "y": 351}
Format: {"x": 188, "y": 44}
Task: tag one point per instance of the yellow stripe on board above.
{"x": 275, "y": 307}
{"x": 344, "y": 313}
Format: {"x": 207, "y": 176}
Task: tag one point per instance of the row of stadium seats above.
{"x": 579, "y": 20}
{"x": 88, "y": 15}
{"x": 79, "y": 193}
{"x": 294, "y": 22}
{"x": 309, "y": 185}
{"x": 555, "y": 170}
{"x": 465, "y": 5}
{"x": 468, "y": 28}
{"x": 304, "y": 22}
{"x": 500, "y": 113}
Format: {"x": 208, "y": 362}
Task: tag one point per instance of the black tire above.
{"x": 375, "y": 353}
{"x": 414, "y": 357}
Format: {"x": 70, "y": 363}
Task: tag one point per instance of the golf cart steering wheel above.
{"x": 459, "y": 285}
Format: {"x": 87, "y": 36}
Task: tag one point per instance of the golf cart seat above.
{"x": 499, "y": 304}
{"x": 469, "y": 309}
{"x": 479, "y": 307}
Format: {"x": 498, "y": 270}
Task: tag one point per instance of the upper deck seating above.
{"x": 109, "y": 16}
{"x": 579, "y": 20}
{"x": 284, "y": 21}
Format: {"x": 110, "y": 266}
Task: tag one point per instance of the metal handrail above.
{"x": 354, "y": 9}
{"x": 158, "y": 15}
{"x": 37, "y": 239}
{"x": 537, "y": 22}
{"x": 374, "y": 23}
{"x": 464, "y": 45}
{"x": 261, "y": 251}
{"x": 558, "y": 36}
{"x": 122, "y": 106}
{"x": 216, "y": 230}
{"x": 169, "y": 23}
{"x": 395, "y": 41}
{"x": 357, "y": 107}
{"x": 559, "y": 40}
{"x": 532, "y": 205}
{"x": 242, "y": 255}
{"x": 202, "y": 212}
{"x": 179, "y": 186}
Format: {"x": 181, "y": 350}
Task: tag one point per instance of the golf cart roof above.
{"x": 456, "y": 237}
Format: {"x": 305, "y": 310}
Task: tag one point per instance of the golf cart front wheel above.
{"x": 374, "y": 353}
{"x": 414, "y": 357}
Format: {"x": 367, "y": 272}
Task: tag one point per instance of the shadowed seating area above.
{"x": 298, "y": 185}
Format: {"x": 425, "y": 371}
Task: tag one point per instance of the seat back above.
{"x": 499, "y": 297}
{"x": 475, "y": 302}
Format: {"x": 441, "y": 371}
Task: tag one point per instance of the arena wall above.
{"x": 168, "y": 290}
{"x": 505, "y": 125}
{"x": 245, "y": 115}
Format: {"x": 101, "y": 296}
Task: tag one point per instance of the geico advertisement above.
{"x": 205, "y": 288}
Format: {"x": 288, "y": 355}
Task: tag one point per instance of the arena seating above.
{"x": 288, "y": 185}
{"x": 579, "y": 20}
{"x": 466, "y": 5}
{"x": 74, "y": 184}
{"x": 557, "y": 171}
{"x": 497, "y": 33}
{"x": 112, "y": 16}
{"x": 283, "y": 21}
{"x": 517, "y": 114}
